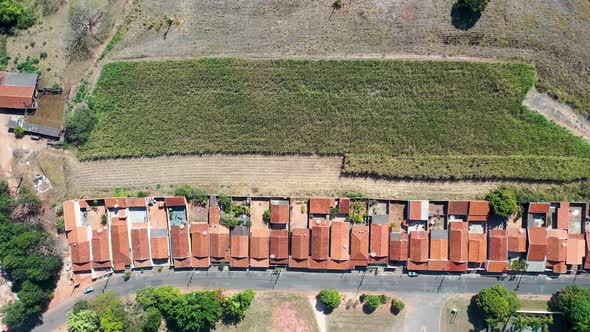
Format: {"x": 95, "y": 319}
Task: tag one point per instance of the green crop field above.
{"x": 410, "y": 119}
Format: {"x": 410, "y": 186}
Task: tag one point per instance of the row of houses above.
{"x": 323, "y": 234}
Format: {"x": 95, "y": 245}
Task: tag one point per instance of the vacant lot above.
{"x": 363, "y": 108}
{"x": 553, "y": 36}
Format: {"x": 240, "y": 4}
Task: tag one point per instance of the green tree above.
{"x": 151, "y": 320}
{"x": 228, "y": 219}
{"x": 235, "y": 306}
{"x": 497, "y": 303}
{"x": 372, "y": 302}
{"x": 10, "y": 11}
{"x": 574, "y": 302}
{"x": 330, "y": 298}
{"x": 114, "y": 318}
{"x": 198, "y": 311}
{"x": 224, "y": 202}
{"x": 83, "y": 321}
{"x": 79, "y": 125}
{"x": 81, "y": 305}
{"x": 20, "y": 317}
{"x": 162, "y": 298}
{"x": 502, "y": 202}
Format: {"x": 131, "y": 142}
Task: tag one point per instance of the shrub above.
{"x": 235, "y": 306}
{"x": 35, "y": 60}
{"x": 228, "y": 219}
{"x": 26, "y": 20}
{"x": 333, "y": 213}
{"x": 357, "y": 212}
{"x": 192, "y": 194}
{"x": 372, "y": 302}
{"x": 267, "y": 215}
{"x": 43, "y": 56}
{"x": 502, "y": 202}
{"x": 397, "y": 306}
{"x": 19, "y": 131}
{"x": 330, "y": 298}
{"x": 60, "y": 225}
{"x": 127, "y": 275}
{"x": 224, "y": 202}
{"x": 356, "y": 195}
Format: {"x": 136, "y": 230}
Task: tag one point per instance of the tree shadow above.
{"x": 475, "y": 316}
{"x": 320, "y": 307}
{"x": 367, "y": 309}
{"x": 462, "y": 17}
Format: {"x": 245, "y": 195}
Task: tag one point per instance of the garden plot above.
{"x": 257, "y": 208}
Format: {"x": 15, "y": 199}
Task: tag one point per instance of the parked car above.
{"x": 88, "y": 290}
{"x": 412, "y": 274}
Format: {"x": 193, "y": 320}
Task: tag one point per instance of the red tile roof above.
{"x": 359, "y": 243}
{"x": 575, "y": 249}
{"x": 219, "y": 244}
{"x": 516, "y": 239}
{"x": 497, "y": 267}
{"x": 239, "y": 246}
{"x": 457, "y": 267}
{"x": 379, "y": 245}
{"x": 69, "y": 215}
{"x": 279, "y": 214}
{"x": 159, "y": 247}
{"x": 180, "y": 245}
{"x": 300, "y": 239}
{"x": 320, "y": 237}
{"x": 135, "y": 202}
{"x": 439, "y": 249}
{"x": 112, "y": 202}
{"x": 339, "y": 241}
{"x": 541, "y": 208}
{"x": 259, "y": 243}
{"x": 477, "y": 247}
{"x": 417, "y": 266}
{"x": 537, "y": 244}
{"x": 80, "y": 252}
{"x": 175, "y": 201}
{"x": 458, "y": 242}
{"x": 199, "y": 240}
{"x": 100, "y": 245}
{"x": 140, "y": 244}
{"x": 563, "y": 215}
{"x": 556, "y": 245}
{"x": 415, "y": 210}
{"x": 120, "y": 244}
{"x": 398, "y": 249}
{"x": 458, "y": 208}
{"x": 479, "y": 208}
{"x": 438, "y": 265}
{"x": 344, "y": 205}
{"x": 214, "y": 216}
{"x": 498, "y": 245}
{"x": 279, "y": 244}
{"x": 16, "y": 97}
{"x": 418, "y": 246}
{"x": 320, "y": 205}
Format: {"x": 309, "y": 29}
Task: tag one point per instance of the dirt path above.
{"x": 253, "y": 174}
{"x": 560, "y": 113}
{"x": 318, "y": 313}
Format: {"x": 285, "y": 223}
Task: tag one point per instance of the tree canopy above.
{"x": 497, "y": 303}
{"x": 83, "y": 321}
{"x": 235, "y": 306}
{"x": 574, "y": 302}
{"x": 503, "y": 202}
{"x": 79, "y": 124}
{"x": 330, "y": 298}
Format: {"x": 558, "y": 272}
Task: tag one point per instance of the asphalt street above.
{"x": 442, "y": 285}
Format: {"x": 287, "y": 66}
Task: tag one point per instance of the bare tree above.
{"x": 83, "y": 21}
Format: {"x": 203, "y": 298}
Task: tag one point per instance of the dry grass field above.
{"x": 548, "y": 33}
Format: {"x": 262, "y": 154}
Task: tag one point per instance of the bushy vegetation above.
{"x": 15, "y": 14}
{"x": 571, "y": 192}
{"x": 497, "y": 304}
{"x": 28, "y": 256}
{"x": 19, "y": 131}
{"x": 373, "y": 302}
{"x": 330, "y": 298}
{"x": 196, "y": 311}
{"x": 397, "y": 306}
{"x": 358, "y": 212}
{"x": 192, "y": 194}
{"x": 417, "y": 119}
{"x": 574, "y": 302}
{"x": 78, "y": 125}
{"x": 502, "y": 202}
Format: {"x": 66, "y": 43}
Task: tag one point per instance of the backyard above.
{"x": 402, "y": 119}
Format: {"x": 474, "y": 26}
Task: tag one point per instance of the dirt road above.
{"x": 251, "y": 174}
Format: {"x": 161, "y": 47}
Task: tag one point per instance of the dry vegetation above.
{"x": 380, "y": 109}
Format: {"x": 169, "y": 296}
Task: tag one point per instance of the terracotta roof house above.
{"x": 458, "y": 250}
{"x": 398, "y": 247}
{"x": 101, "y": 251}
{"x": 213, "y": 216}
{"x": 379, "y": 241}
{"x": 537, "y": 249}
{"x": 498, "y": 251}
{"x": 18, "y": 91}
{"x": 239, "y": 247}
{"x": 539, "y": 208}
{"x": 115, "y": 203}
{"x": 159, "y": 244}
{"x": 563, "y": 215}
{"x": 343, "y": 206}
{"x": 587, "y": 260}
{"x": 259, "y": 247}
{"x": 135, "y": 202}
{"x": 279, "y": 247}
{"x": 516, "y": 239}
{"x": 80, "y": 256}
{"x": 557, "y": 250}
{"x": 320, "y": 244}
{"x": 478, "y": 248}
{"x": 439, "y": 250}
{"x": 576, "y": 247}
{"x": 300, "y": 240}
{"x": 70, "y": 213}
{"x": 538, "y": 214}
{"x": 418, "y": 255}
{"x": 200, "y": 245}
{"x": 181, "y": 252}
{"x": 458, "y": 209}
{"x": 279, "y": 212}
{"x": 478, "y": 211}
{"x": 339, "y": 246}
{"x": 321, "y": 205}
{"x": 140, "y": 247}
{"x": 418, "y": 210}
{"x": 120, "y": 244}
{"x": 359, "y": 246}
{"x": 175, "y": 201}
{"x": 219, "y": 237}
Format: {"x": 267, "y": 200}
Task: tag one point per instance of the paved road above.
{"x": 432, "y": 285}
